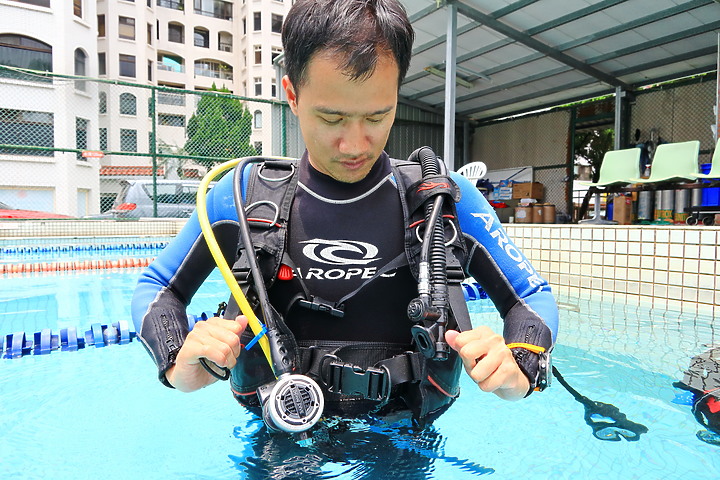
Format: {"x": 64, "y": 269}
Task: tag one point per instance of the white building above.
{"x": 188, "y": 45}
{"x": 58, "y": 36}
{"x": 184, "y": 44}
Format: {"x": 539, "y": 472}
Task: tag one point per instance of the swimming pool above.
{"x": 100, "y": 412}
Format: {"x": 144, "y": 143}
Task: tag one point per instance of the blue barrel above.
{"x": 710, "y": 196}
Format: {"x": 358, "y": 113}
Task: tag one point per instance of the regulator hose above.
{"x": 257, "y": 328}
{"x": 433, "y": 265}
{"x": 292, "y": 403}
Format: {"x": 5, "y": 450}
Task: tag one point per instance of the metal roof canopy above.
{"x": 516, "y": 56}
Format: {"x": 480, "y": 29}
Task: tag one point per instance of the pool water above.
{"x": 101, "y": 413}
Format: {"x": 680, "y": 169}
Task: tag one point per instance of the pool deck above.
{"x": 670, "y": 267}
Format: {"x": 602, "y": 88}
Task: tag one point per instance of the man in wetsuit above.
{"x": 345, "y": 61}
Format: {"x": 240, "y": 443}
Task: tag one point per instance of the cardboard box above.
{"x": 622, "y": 209}
{"x": 528, "y": 190}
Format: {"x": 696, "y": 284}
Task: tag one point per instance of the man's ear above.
{"x": 290, "y": 93}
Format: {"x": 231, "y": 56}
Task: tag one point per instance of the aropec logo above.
{"x": 340, "y": 253}
{"x": 430, "y": 185}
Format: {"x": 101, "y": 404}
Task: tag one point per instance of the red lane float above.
{"x": 8, "y": 268}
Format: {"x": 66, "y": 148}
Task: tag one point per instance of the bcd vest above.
{"x": 356, "y": 377}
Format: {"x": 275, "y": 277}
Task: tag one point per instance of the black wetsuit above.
{"x": 339, "y": 236}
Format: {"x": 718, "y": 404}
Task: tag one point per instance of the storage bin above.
{"x": 710, "y": 196}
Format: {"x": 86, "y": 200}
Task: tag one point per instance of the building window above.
{"x": 39, "y": 3}
{"x": 102, "y": 102}
{"x": 170, "y": 63}
{"x": 128, "y": 104}
{"x": 102, "y": 63}
{"x": 168, "y": 98}
{"x": 23, "y": 127}
{"x": 81, "y": 135}
{"x": 127, "y": 28}
{"x": 257, "y": 119}
{"x": 77, "y": 8}
{"x": 276, "y": 23}
{"x": 225, "y": 42}
{"x": 24, "y": 52}
{"x": 149, "y": 33}
{"x": 258, "y": 148}
{"x": 214, "y": 8}
{"x": 128, "y": 140}
{"x": 103, "y": 139}
{"x": 127, "y": 66}
{"x": 201, "y": 38}
{"x": 273, "y": 88}
{"x": 150, "y": 70}
{"x": 258, "y": 54}
{"x": 257, "y": 21}
{"x": 171, "y": 120}
{"x": 80, "y": 68}
{"x": 275, "y": 52}
{"x": 211, "y": 68}
{"x": 258, "y": 86}
{"x": 176, "y": 33}
{"x": 174, "y": 4}
{"x": 244, "y": 23}
{"x": 101, "y": 25}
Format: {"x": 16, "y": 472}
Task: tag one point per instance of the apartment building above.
{"x": 57, "y": 36}
{"x": 189, "y": 45}
{"x": 182, "y": 44}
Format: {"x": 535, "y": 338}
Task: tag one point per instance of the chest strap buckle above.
{"x": 348, "y": 379}
{"x": 318, "y": 304}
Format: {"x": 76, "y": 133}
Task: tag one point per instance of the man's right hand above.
{"x": 217, "y": 340}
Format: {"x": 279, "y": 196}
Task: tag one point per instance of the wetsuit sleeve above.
{"x": 521, "y": 296}
{"x": 166, "y": 287}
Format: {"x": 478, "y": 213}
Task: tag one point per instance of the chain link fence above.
{"x": 559, "y": 144}
{"x": 81, "y": 147}
{"x": 90, "y": 148}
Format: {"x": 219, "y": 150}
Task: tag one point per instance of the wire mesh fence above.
{"x": 82, "y": 147}
{"x": 672, "y": 112}
{"x": 90, "y": 148}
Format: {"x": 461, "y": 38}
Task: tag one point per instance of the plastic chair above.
{"x": 714, "y": 167}
{"x": 618, "y": 167}
{"x": 674, "y": 161}
{"x": 473, "y": 171}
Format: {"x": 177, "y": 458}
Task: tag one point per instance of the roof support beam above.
{"x": 450, "y": 93}
{"x": 530, "y": 42}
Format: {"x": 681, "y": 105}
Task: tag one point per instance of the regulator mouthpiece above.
{"x": 294, "y": 404}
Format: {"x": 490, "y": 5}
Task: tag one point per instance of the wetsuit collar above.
{"x": 330, "y": 188}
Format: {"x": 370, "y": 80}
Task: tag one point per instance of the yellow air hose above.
{"x": 217, "y": 255}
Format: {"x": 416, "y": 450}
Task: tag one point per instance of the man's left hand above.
{"x": 489, "y": 362}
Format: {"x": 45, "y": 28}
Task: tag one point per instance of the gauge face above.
{"x": 294, "y": 405}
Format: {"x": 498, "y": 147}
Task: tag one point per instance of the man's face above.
{"x": 345, "y": 123}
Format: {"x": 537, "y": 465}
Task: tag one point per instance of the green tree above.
{"x": 220, "y": 127}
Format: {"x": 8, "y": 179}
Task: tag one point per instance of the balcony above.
{"x": 173, "y": 4}
{"x": 206, "y": 72}
{"x": 221, "y": 13}
{"x": 170, "y": 68}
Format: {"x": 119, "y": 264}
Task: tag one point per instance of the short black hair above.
{"x": 357, "y": 31}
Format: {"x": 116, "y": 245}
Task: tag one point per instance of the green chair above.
{"x": 715, "y": 166}
{"x": 617, "y": 168}
{"x": 674, "y": 161}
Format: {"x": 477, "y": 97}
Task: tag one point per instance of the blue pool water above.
{"x": 101, "y": 413}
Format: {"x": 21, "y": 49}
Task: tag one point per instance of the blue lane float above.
{"x": 18, "y": 344}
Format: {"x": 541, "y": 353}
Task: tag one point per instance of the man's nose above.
{"x": 355, "y": 140}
